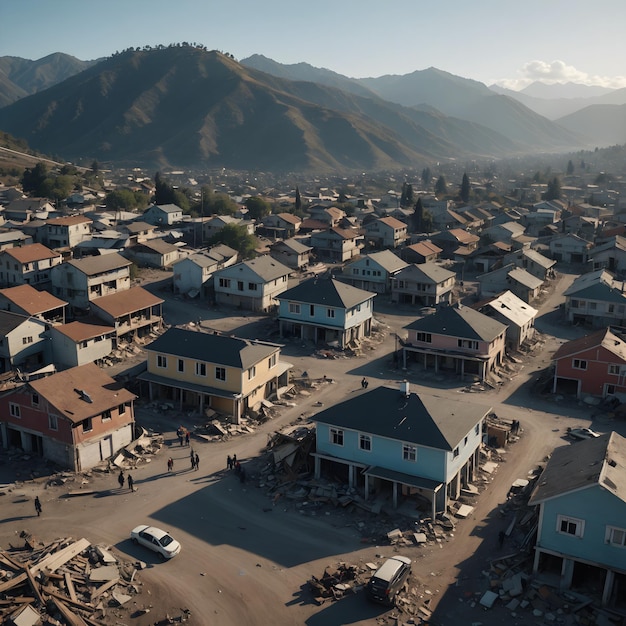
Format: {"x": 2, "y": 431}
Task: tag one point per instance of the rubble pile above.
{"x": 65, "y": 582}
{"x": 139, "y": 451}
{"x": 336, "y": 582}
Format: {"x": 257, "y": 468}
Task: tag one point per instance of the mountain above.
{"x": 556, "y": 91}
{"x": 185, "y": 106}
{"x": 606, "y": 123}
{"x": 20, "y": 77}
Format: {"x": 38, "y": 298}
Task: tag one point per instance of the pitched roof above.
{"x": 513, "y": 308}
{"x": 70, "y": 220}
{"x": 426, "y": 420}
{"x": 392, "y": 222}
{"x": 201, "y": 259}
{"x": 609, "y": 339}
{"x": 389, "y": 261}
{"x": 326, "y": 292}
{"x": 138, "y": 226}
{"x": 32, "y": 300}
{"x": 429, "y": 270}
{"x": 80, "y": 331}
{"x": 425, "y": 248}
{"x": 211, "y": 348}
{"x": 463, "y": 236}
{"x": 598, "y": 285}
{"x": 62, "y": 391}
{"x": 293, "y": 244}
{"x": 156, "y": 245}
{"x": 525, "y": 278}
{"x": 10, "y": 321}
{"x": 290, "y": 217}
{"x": 267, "y": 268}
{"x": 128, "y": 301}
{"x": 537, "y": 258}
{"x": 459, "y": 321}
{"x": 31, "y": 252}
{"x": 597, "y": 462}
{"x": 92, "y": 265}
{"x": 344, "y": 233}
{"x": 167, "y": 208}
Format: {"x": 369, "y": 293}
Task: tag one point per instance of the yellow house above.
{"x": 202, "y": 370}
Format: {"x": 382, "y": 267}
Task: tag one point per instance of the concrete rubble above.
{"x": 65, "y": 581}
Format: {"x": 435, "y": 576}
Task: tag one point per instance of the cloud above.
{"x": 558, "y": 71}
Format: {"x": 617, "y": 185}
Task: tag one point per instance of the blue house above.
{"x": 326, "y": 310}
{"x": 423, "y": 446}
{"x": 581, "y": 535}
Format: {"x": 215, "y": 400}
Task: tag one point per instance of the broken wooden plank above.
{"x": 35, "y": 587}
{"x": 100, "y": 590}
{"x": 54, "y": 592}
{"x": 70, "y": 586}
{"x": 68, "y": 615}
{"x": 53, "y": 561}
{"x": 13, "y": 582}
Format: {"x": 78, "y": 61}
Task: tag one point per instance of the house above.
{"x": 488, "y": 257}
{"x": 253, "y": 285}
{"x": 610, "y": 256}
{"x": 326, "y": 310}
{"x": 374, "y": 271}
{"x": 14, "y": 239}
{"x": 193, "y": 273}
{"x": 138, "y": 231}
{"x": 329, "y": 216}
{"x": 385, "y": 232}
{"x": 280, "y": 225}
{"x": 78, "y": 343}
{"x": 456, "y": 339}
{"x": 162, "y": 214}
{"x": 134, "y": 312}
{"x": 581, "y": 226}
{"x": 509, "y": 232}
{"x": 455, "y": 243}
{"x": 517, "y": 315}
{"x": 427, "y": 284}
{"x": 570, "y": 249}
{"x": 421, "y": 448}
{"x": 25, "y": 209}
{"x": 337, "y": 244}
{"x": 27, "y": 265}
{"x": 532, "y": 261}
{"x": 581, "y": 497}
{"x": 26, "y": 300}
{"x": 509, "y": 277}
{"x": 22, "y": 342}
{"x": 153, "y": 253}
{"x": 292, "y": 253}
{"x": 216, "y": 223}
{"x": 76, "y": 418}
{"x": 210, "y": 371}
{"x": 593, "y": 365}
{"x": 420, "y": 252}
{"x": 596, "y": 300}
{"x": 81, "y": 280}
{"x": 65, "y": 232}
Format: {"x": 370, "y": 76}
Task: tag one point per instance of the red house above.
{"x": 594, "y": 365}
{"x": 75, "y": 418}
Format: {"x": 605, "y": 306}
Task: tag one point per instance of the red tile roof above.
{"x": 31, "y": 300}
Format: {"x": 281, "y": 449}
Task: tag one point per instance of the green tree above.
{"x": 554, "y": 190}
{"x": 33, "y": 179}
{"x": 441, "y": 187}
{"x": 570, "y": 167}
{"x": 407, "y": 197}
{"x": 465, "y": 188}
{"x": 298, "y": 202}
{"x": 236, "y": 236}
{"x": 57, "y": 187}
{"x": 120, "y": 199}
{"x": 417, "y": 217}
{"x": 222, "y": 204}
{"x": 426, "y": 177}
{"x": 257, "y": 207}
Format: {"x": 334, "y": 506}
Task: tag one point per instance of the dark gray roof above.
{"x": 426, "y": 272}
{"x": 230, "y": 351}
{"x": 389, "y": 261}
{"x": 10, "y": 321}
{"x": 459, "y": 321}
{"x": 326, "y": 292}
{"x": 599, "y": 285}
{"x": 98, "y": 264}
{"x": 426, "y": 420}
{"x": 592, "y": 462}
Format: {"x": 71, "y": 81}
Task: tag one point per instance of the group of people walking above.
{"x": 233, "y": 464}
{"x": 195, "y": 460}
{"x": 128, "y": 480}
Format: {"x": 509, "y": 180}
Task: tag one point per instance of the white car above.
{"x": 582, "y": 433}
{"x": 155, "y": 539}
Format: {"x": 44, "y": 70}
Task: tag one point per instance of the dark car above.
{"x": 388, "y": 580}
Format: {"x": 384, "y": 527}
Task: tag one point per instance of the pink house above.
{"x": 456, "y": 339}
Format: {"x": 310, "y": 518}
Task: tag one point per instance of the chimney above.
{"x": 405, "y": 388}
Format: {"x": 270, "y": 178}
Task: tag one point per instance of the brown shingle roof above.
{"x": 31, "y": 300}
{"x": 61, "y": 391}
{"x": 392, "y": 222}
{"x": 31, "y": 252}
{"x": 70, "y": 220}
{"x": 128, "y": 301}
{"x": 79, "y": 331}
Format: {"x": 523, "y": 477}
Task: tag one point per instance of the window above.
{"x": 35, "y": 399}
{"x": 251, "y": 372}
{"x": 200, "y": 369}
{"x": 455, "y": 453}
{"x": 465, "y": 441}
{"x": 181, "y": 365}
{"x": 409, "y": 452}
{"x": 294, "y": 307}
{"x": 161, "y": 360}
{"x": 53, "y": 422}
{"x": 106, "y": 415}
{"x": 616, "y": 536}
{"x": 611, "y": 308}
{"x": 575, "y": 304}
{"x": 27, "y": 340}
{"x": 330, "y": 313}
{"x": 87, "y": 425}
{"x": 365, "y": 442}
{"x": 336, "y": 436}
{"x": 425, "y": 337}
{"x": 240, "y": 285}
{"x": 477, "y": 429}
{"x": 579, "y": 364}
{"x": 121, "y": 409}
{"x": 220, "y": 373}
{"x": 312, "y": 310}
{"x": 253, "y": 287}
{"x": 467, "y": 343}
{"x": 14, "y": 410}
{"x": 355, "y": 271}
{"x": 614, "y": 369}
{"x": 593, "y": 306}
{"x": 225, "y": 282}
{"x": 271, "y": 361}
{"x": 570, "y": 526}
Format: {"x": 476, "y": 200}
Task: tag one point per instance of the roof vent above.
{"x": 84, "y": 395}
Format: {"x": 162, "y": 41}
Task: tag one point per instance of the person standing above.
{"x": 193, "y": 462}
{"x": 131, "y": 483}
{"x": 170, "y": 464}
{"x": 187, "y": 438}
{"x": 120, "y": 479}
{"x": 197, "y": 462}
{"x": 229, "y": 462}
{"x": 37, "y": 506}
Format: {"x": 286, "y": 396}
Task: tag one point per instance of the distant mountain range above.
{"x": 185, "y": 106}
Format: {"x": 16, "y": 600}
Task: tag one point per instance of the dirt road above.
{"x": 245, "y": 561}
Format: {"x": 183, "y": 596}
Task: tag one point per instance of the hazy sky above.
{"x": 505, "y": 41}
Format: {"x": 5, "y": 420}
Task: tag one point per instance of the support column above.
{"x": 462, "y": 368}
{"x": 367, "y": 487}
{"x": 318, "y": 467}
{"x": 536, "y": 560}
{"x": 351, "y": 475}
{"x": 608, "y": 587}
{"x": 395, "y": 494}
{"x": 567, "y": 573}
